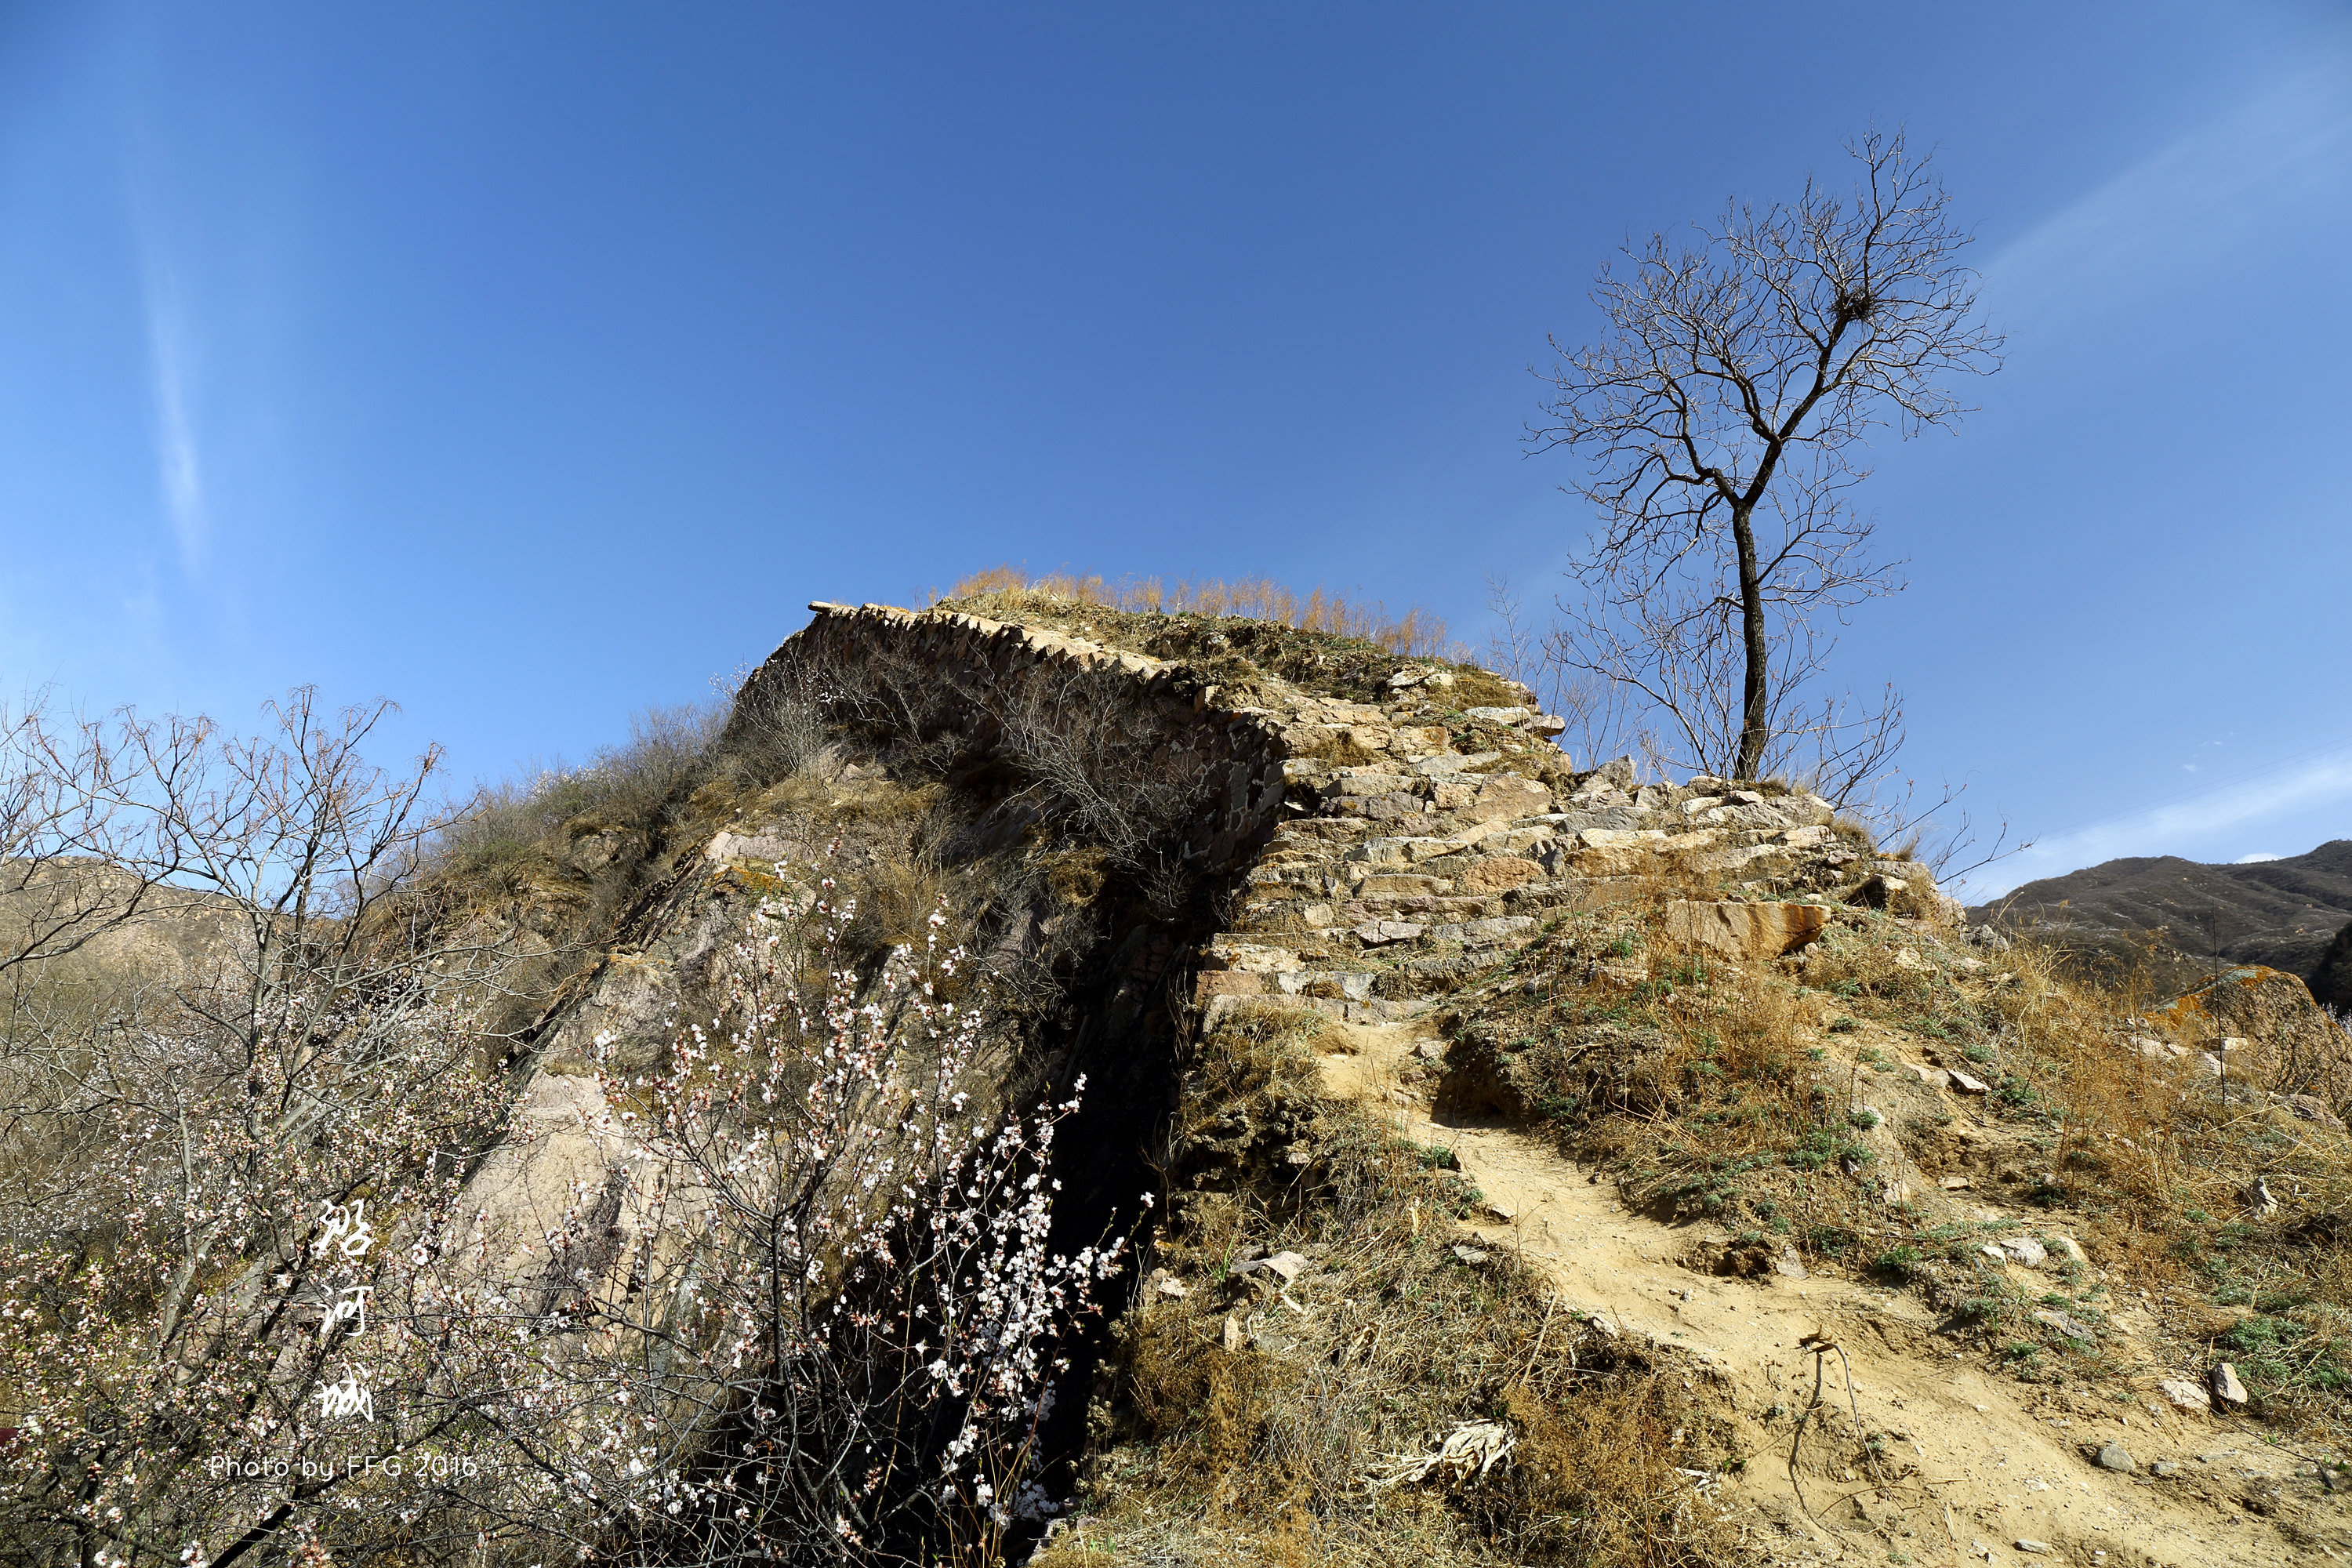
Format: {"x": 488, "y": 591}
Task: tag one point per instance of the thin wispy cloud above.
{"x": 169, "y": 355}
{"x": 2184, "y": 827}
{"x": 2224, "y": 184}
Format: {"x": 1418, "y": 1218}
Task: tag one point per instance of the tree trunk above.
{"x": 1752, "y": 730}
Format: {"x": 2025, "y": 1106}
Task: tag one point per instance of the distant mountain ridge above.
{"x": 2176, "y": 921}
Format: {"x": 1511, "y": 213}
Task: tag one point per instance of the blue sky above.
{"x": 530, "y": 364}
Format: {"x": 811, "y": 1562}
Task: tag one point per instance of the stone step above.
{"x": 1309, "y": 875}
{"x": 1390, "y": 931}
{"x": 1356, "y": 911}
{"x": 1383, "y": 807}
{"x": 1401, "y": 883}
{"x": 1289, "y": 918}
{"x": 1576, "y": 895}
{"x": 1372, "y": 1011}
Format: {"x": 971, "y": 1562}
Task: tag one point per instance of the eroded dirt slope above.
{"x": 1973, "y": 1461}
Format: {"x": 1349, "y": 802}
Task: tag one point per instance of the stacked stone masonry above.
{"x": 970, "y": 665}
{"x": 1372, "y": 883}
{"x": 1393, "y": 880}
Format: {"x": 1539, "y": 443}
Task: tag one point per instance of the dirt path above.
{"x": 1984, "y": 1460}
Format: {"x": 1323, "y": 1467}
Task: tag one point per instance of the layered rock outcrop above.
{"x": 1364, "y": 849}
{"x": 1376, "y": 853}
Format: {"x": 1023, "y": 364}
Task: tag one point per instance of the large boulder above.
{"x": 1743, "y": 931}
{"x": 2291, "y": 1047}
{"x": 2331, "y": 981}
{"x": 1505, "y": 797}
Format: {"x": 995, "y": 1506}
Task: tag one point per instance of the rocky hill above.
{"x": 1491, "y": 1069}
{"x": 2180, "y": 921}
{"x": 1509, "y": 1161}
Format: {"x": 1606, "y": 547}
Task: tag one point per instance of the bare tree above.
{"x": 1721, "y": 418}
{"x": 80, "y": 855}
{"x": 284, "y": 1269}
{"x": 784, "y": 722}
{"x": 168, "y": 1154}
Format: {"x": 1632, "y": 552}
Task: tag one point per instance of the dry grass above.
{"x": 2164, "y": 1162}
{"x": 1340, "y": 750}
{"x": 1234, "y": 637}
{"x": 1732, "y": 1094}
{"x": 525, "y": 839}
{"x": 1705, "y": 1085}
{"x": 1258, "y": 1446}
{"x": 1415, "y": 634}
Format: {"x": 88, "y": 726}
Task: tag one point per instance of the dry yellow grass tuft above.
{"x": 1415, "y": 634}
{"x": 1824, "y": 1103}
{"x": 1332, "y": 1318}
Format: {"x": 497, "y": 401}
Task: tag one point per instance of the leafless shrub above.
{"x": 85, "y": 839}
{"x": 509, "y": 829}
{"x": 1519, "y": 649}
{"x": 784, "y": 722}
{"x": 1132, "y": 790}
{"x": 169, "y": 1154}
{"x": 853, "y": 1358}
{"x": 1078, "y": 748}
{"x": 840, "y": 1345}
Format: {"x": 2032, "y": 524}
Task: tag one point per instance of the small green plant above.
{"x": 1821, "y": 1146}
{"x": 1983, "y": 1309}
{"x": 1899, "y": 1262}
{"x": 2277, "y": 1353}
{"x": 1831, "y": 1240}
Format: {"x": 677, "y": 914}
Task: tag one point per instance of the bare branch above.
{"x": 1722, "y": 418}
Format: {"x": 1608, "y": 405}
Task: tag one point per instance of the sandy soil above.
{"x": 1978, "y": 1461}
